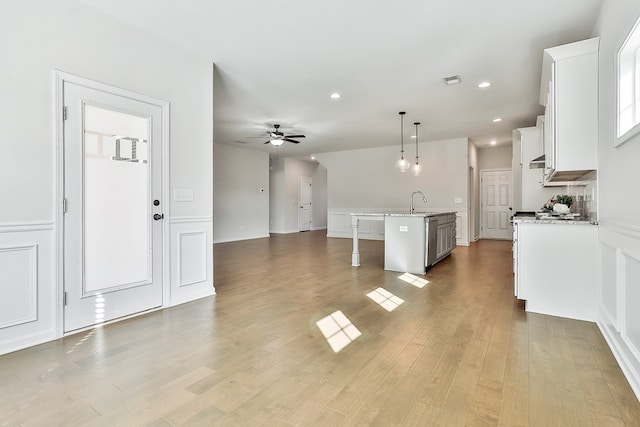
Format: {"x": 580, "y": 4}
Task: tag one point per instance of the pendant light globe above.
{"x": 403, "y": 164}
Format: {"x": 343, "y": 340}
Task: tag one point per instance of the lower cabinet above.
{"x": 555, "y": 268}
{"x": 446, "y": 235}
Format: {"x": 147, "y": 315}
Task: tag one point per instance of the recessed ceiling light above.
{"x": 484, "y": 84}
{"x": 335, "y": 95}
{"x": 493, "y": 142}
{"x": 452, "y": 80}
{"x": 497, "y": 119}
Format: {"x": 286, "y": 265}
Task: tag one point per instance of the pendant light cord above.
{"x": 402, "y": 113}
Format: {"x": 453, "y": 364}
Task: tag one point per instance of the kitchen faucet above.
{"x": 424, "y": 199}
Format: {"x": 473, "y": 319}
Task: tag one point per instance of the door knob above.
{"x": 158, "y": 217}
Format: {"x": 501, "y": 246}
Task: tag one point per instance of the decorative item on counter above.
{"x": 563, "y": 199}
{"x": 549, "y": 205}
{"x": 561, "y": 208}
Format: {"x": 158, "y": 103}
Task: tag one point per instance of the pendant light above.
{"x": 417, "y": 168}
{"x": 403, "y": 164}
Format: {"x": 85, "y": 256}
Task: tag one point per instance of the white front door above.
{"x": 304, "y": 206}
{"x": 113, "y": 220}
{"x": 495, "y": 204}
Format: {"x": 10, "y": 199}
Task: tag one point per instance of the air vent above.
{"x": 452, "y": 80}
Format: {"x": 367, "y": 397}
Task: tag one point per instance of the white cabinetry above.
{"x": 532, "y": 194}
{"x": 569, "y": 92}
{"x": 555, "y": 268}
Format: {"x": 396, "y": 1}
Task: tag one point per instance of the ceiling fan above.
{"x": 278, "y": 138}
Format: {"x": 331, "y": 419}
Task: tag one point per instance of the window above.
{"x": 629, "y": 86}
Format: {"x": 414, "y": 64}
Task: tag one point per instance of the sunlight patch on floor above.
{"x": 385, "y": 299}
{"x": 416, "y": 281}
{"x": 338, "y": 330}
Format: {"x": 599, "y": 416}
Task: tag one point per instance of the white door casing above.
{"x": 113, "y": 249}
{"x": 495, "y": 204}
{"x": 304, "y": 203}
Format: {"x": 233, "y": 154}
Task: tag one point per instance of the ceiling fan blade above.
{"x": 268, "y": 142}
{"x": 295, "y": 136}
{"x": 291, "y": 140}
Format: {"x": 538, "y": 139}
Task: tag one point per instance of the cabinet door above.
{"x": 550, "y": 125}
{"x": 443, "y": 239}
{"x": 516, "y": 276}
{"x": 452, "y": 235}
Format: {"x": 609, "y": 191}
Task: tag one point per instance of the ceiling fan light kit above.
{"x": 278, "y": 138}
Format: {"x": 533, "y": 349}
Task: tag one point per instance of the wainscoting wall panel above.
{"x": 619, "y": 317}
{"x": 609, "y": 294}
{"x": 28, "y": 290}
{"x": 191, "y": 259}
{"x": 19, "y": 285}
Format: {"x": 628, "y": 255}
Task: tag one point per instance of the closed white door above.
{"x": 113, "y": 219}
{"x": 495, "y": 204}
{"x": 304, "y": 206}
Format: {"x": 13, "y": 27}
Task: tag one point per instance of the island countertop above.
{"x": 380, "y": 216}
{"x": 416, "y": 214}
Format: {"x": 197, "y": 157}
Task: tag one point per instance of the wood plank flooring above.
{"x": 461, "y": 351}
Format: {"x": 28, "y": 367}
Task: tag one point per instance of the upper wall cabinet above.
{"x": 569, "y": 92}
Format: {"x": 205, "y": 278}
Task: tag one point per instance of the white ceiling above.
{"x": 277, "y": 61}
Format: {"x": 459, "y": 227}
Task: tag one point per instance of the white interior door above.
{"x": 113, "y": 209}
{"x": 495, "y": 204}
{"x": 304, "y": 207}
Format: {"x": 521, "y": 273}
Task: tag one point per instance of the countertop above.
{"x": 416, "y": 214}
{"x": 531, "y": 220}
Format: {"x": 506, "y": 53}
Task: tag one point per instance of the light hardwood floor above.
{"x": 459, "y": 351}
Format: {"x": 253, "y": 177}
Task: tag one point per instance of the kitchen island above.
{"x": 555, "y": 266}
{"x": 413, "y": 241}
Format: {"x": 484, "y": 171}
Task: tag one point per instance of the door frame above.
{"x": 482, "y": 172}
{"x": 300, "y": 180}
{"x": 60, "y": 78}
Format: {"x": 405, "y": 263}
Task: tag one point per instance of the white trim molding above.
{"x": 27, "y": 284}
{"x": 20, "y": 292}
{"x": 618, "y": 317}
{"x": 192, "y": 255}
{"x": 191, "y": 259}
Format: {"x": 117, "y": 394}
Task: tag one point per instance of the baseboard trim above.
{"x": 622, "y": 353}
{"x": 27, "y": 341}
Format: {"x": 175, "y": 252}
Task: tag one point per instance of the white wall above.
{"x": 241, "y": 189}
{"x": 368, "y": 180}
{"x": 277, "y": 196}
{"x": 495, "y": 158}
{"x": 618, "y": 204}
{"x": 38, "y": 37}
